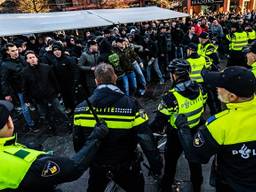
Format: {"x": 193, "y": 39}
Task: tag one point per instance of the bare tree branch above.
{"x": 33, "y": 6}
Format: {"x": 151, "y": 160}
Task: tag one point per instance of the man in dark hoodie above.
{"x": 127, "y": 122}
{"x": 186, "y": 97}
{"x": 66, "y": 72}
{"x": 40, "y": 85}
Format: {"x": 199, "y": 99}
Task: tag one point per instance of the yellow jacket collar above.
{"x": 8, "y": 141}
{"x": 246, "y": 104}
{"x": 254, "y": 64}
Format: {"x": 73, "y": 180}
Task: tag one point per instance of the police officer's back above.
{"x": 197, "y": 63}
{"x": 207, "y": 48}
{"x": 238, "y": 39}
{"x": 229, "y": 134}
{"x": 200, "y": 63}
{"x": 127, "y": 121}
{"x": 27, "y": 170}
{"x": 185, "y": 97}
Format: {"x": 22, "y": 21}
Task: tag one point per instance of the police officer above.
{"x": 229, "y": 134}
{"x": 238, "y": 39}
{"x": 207, "y": 48}
{"x": 251, "y": 58}
{"x": 186, "y": 97}
{"x": 27, "y": 170}
{"x": 251, "y": 33}
{"x": 197, "y": 63}
{"x": 116, "y": 159}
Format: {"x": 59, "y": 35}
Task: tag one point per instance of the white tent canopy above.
{"x": 132, "y": 15}
{"x": 17, "y": 24}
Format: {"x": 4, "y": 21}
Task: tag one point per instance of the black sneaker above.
{"x": 25, "y": 129}
{"x": 34, "y": 128}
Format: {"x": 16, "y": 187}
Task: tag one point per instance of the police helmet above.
{"x": 204, "y": 35}
{"x": 235, "y": 25}
{"x": 192, "y": 46}
{"x": 179, "y": 67}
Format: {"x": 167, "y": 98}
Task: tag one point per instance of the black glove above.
{"x": 181, "y": 121}
{"x": 100, "y": 131}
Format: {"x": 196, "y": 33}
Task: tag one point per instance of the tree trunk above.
{"x": 34, "y": 6}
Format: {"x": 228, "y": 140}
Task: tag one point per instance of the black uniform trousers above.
{"x": 223, "y": 187}
{"x": 129, "y": 178}
{"x": 173, "y": 151}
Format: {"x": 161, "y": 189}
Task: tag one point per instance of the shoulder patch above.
{"x": 211, "y": 119}
{"x": 50, "y": 169}
{"x": 214, "y": 117}
{"x": 199, "y": 140}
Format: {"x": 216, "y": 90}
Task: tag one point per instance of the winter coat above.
{"x": 40, "y": 83}
{"x": 12, "y": 81}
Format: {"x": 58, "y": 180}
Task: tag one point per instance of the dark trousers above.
{"x": 131, "y": 180}
{"x": 163, "y": 62}
{"x": 68, "y": 97}
{"x": 173, "y": 151}
{"x": 222, "y": 187}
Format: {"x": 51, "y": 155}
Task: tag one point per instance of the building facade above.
{"x": 189, "y": 6}
{"x": 194, "y": 6}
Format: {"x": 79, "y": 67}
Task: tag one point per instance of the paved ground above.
{"x": 62, "y": 145}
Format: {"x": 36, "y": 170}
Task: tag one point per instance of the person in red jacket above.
{"x": 198, "y": 29}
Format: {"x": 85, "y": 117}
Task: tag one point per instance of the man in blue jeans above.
{"x": 150, "y": 57}
{"x": 12, "y": 81}
{"x": 141, "y": 79}
{"x": 127, "y": 57}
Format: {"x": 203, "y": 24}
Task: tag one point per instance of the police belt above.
{"x": 115, "y": 167}
{"x": 137, "y": 157}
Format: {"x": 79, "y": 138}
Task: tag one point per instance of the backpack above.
{"x": 114, "y": 59}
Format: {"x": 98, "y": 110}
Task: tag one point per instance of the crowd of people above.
{"x": 113, "y": 65}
